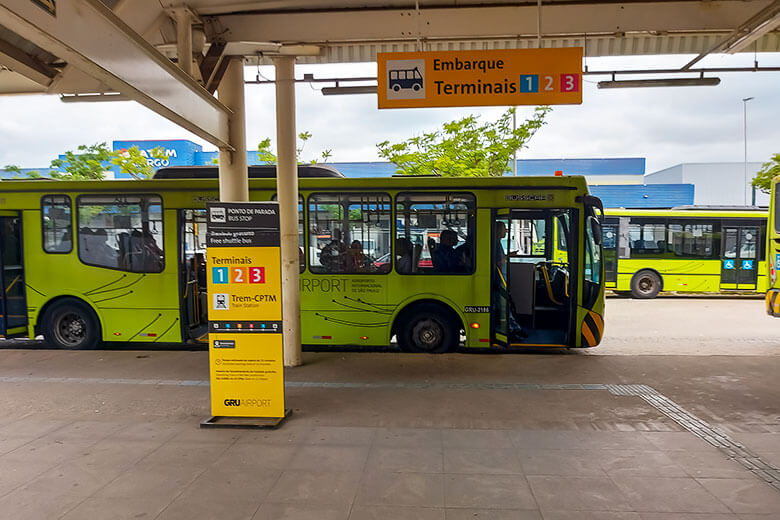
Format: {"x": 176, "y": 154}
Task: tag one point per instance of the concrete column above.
{"x": 184, "y": 39}
{"x": 287, "y": 193}
{"x": 233, "y": 173}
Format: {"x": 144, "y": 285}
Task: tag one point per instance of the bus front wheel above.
{"x": 645, "y": 285}
{"x": 71, "y": 324}
{"x": 429, "y": 329}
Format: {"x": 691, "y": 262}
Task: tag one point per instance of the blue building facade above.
{"x": 619, "y": 182}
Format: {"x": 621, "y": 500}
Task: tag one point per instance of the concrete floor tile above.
{"x": 31, "y": 427}
{"x": 189, "y": 507}
{"x": 475, "y": 438}
{"x": 548, "y": 440}
{"x": 269, "y": 456}
{"x": 491, "y": 514}
{"x": 291, "y": 432}
{"x": 340, "y": 436}
{"x": 16, "y": 475}
{"x": 488, "y": 491}
{"x": 247, "y": 483}
{"x": 590, "y": 515}
{"x": 174, "y": 453}
{"x": 575, "y": 463}
{"x": 192, "y": 432}
{"x": 117, "y": 509}
{"x": 581, "y": 494}
{"x": 47, "y": 451}
{"x": 150, "y": 480}
{"x": 395, "y": 513}
{"x": 276, "y": 511}
{"x": 9, "y": 444}
{"x": 85, "y": 431}
{"x": 706, "y": 464}
{"x": 115, "y": 454}
{"x": 315, "y": 487}
{"x": 688, "y": 516}
{"x": 408, "y": 437}
{"x": 669, "y": 495}
{"x": 330, "y": 458}
{"x": 745, "y": 496}
{"x": 401, "y": 489}
{"x": 149, "y": 431}
{"x": 405, "y": 460}
{"x": 618, "y": 463}
{"x": 614, "y": 440}
{"x": 72, "y": 478}
{"x": 25, "y": 505}
{"x": 678, "y": 441}
{"x": 759, "y": 442}
{"x": 482, "y": 461}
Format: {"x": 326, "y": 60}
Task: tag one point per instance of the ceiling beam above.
{"x": 497, "y": 22}
{"x": 89, "y": 36}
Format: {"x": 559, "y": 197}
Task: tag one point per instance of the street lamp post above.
{"x": 744, "y": 112}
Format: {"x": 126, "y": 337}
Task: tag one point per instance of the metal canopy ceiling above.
{"x": 82, "y": 57}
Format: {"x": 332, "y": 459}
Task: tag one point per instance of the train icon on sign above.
{"x": 406, "y": 79}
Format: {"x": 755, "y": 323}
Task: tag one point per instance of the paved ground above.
{"x": 572, "y": 435}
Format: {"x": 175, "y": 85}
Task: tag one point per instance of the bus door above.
{"x": 13, "y": 303}
{"x": 531, "y": 286}
{"x": 610, "y": 246}
{"x": 739, "y": 258}
{"x": 192, "y": 254}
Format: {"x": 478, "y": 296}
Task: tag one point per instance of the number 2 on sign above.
{"x": 570, "y": 83}
{"x": 547, "y": 81}
{"x": 238, "y": 274}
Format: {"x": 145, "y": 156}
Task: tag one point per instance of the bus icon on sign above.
{"x": 406, "y": 79}
{"x": 410, "y": 78}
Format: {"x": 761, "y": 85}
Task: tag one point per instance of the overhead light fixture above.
{"x": 93, "y": 98}
{"x": 669, "y": 82}
{"x": 360, "y": 89}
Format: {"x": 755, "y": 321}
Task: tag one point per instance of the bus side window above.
{"x": 57, "y": 224}
{"x": 441, "y": 231}
{"x": 349, "y": 233}
{"x": 122, "y": 232}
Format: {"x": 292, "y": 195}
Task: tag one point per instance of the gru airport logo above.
{"x": 232, "y": 402}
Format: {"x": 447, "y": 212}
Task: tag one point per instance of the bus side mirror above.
{"x": 595, "y": 229}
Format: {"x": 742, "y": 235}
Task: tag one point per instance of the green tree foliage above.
{"x": 265, "y": 154}
{"x": 85, "y": 164}
{"x": 19, "y": 174}
{"x": 768, "y": 171}
{"x": 464, "y": 148}
{"x": 135, "y": 162}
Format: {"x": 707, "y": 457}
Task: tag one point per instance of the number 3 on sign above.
{"x": 570, "y": 83}
{"x": 257, "y": 275}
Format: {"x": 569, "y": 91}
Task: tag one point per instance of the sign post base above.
{"x": 251, "y": 423}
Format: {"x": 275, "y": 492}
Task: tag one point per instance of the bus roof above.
{"x": 692, "y": 211}
{"x": 263, "y": 171}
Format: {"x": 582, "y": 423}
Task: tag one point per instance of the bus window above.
{"x": 439, "y": 229}
{"x": 121, "y": 232}
{"x": 57, "y": 224}
{"x": 647, "y": 238}
{"x": 349, "y": 233}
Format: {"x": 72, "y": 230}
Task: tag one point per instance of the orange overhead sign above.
{"x": 480, "y": 78}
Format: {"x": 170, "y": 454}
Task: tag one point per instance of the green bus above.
{"x": 685, "y": 249}
{"x": 434, "y": 262}
{"x": 773, "y": 253}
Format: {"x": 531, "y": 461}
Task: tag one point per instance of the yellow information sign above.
{"x": 245, "y": 311}
{"x": 480, "y": 78}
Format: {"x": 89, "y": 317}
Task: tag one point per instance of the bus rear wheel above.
{"x": 72, "y": 325}
{"x": 428, "y": 329}
{"x": 645, "y": 285}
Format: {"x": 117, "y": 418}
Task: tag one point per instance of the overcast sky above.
{"x": 667, "y": 126}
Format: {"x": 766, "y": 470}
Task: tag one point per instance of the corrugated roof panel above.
{"x": 644, "y": 195}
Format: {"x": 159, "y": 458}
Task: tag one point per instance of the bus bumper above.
{"x": 773, "y": 302}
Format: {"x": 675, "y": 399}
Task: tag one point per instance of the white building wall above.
{"x": 716, "y": 184}
{"x": 671, "y": 175}
{"x": 614, "y": 179}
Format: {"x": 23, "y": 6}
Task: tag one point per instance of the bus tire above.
{"x": 645, "y": 285}
{"x": 71, "y": 324}
{"x": 428, "y": 328}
